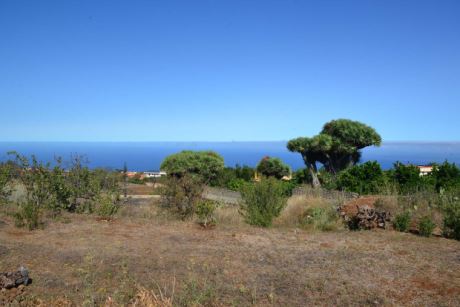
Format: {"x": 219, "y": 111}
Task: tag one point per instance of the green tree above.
{"x": 337, "y": 147}
{"x": 205, "y": 165}
{"x": 366, "y": 178}
{"x": 447, "y": 176}
{"x": 263, "y": 201}
{"x": 273, "y": 167}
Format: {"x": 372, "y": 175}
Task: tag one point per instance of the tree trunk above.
{"x": 313, "y": 173}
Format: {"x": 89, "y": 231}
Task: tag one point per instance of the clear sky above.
{"x": 227, "y": 70}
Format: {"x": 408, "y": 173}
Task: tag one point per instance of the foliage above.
{"x": 321, "y": 218}
{"x": 273, "y": 167}
{"x": 5, "y": 178}
{"x": 401, "y": 221}
{"x": 336, "y": 147}
{"x": 244, "y": 172}
{"x": 205, "y": 165}
{"x": 106, "y": 206}
{"x": 447, "y": 176}
{"x": 366, "y": 178}
{"x": 29, "y": 214}
{"x": 407, "y": 179}
{"x": 301, "y": 176}
{"x": 181, "y": 194}
{"x": 234, "y": 178}
{"x": 262, "y": 202}
{"x": 451, "y": 210}
{"x": 426, "y": 226}
{"x": 205, "y": 211}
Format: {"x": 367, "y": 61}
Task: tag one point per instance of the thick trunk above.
{"x": 313, "y": 173}
{"x": 314, "y": 178}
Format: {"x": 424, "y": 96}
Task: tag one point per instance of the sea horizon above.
{"x": 147, "y": 155}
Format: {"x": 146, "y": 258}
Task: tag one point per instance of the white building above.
{"x": 154, "y": 174}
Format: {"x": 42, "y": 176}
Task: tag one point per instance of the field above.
{"x": 82, "y": 260}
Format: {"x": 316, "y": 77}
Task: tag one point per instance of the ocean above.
{"x": 147, "y": 156}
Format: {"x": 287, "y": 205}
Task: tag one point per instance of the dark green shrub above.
{"x": 181, "y": 195}
{"x": 206, "y": 165}
{"x": 273, "y": 167}
{"x": 408, "y": 180}
{"x": 401, "y": 221}
{"x": 236, "y": 184}
{"x": 426, "y": 226}
{"x": 205, "y": 211}
{"x": 447, "y": 176}
{"x": 451, "y": 210}
{"x": 262, "y": 202}
{"x": 366, "y": 178}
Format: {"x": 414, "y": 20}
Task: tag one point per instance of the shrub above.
{"x": 236, "y": 184}
{"x": 401, "y": 221}
{"x": 447, "y": 176}
{"x": 451, "y": 210}
{"x": 426, "y": 226}
{"x": 273, "y": 167}
{"x": 106, "y": 206}
{"x": 321, "y": 218}
{"x": 5, "y": 177}
{"x": 28, "y": 215}
{"x": 205, "y": 211}
{"x": 181, "y": 194}
{"x": 408, "y": 179}
{"x": 262, "y": 202}
{"x": 366, "y": 178}
{"x": 206, "y": 165}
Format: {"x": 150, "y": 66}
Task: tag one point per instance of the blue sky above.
{"x": 227, "y": 70}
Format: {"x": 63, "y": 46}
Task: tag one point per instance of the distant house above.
{"x": 425, "y": 169}
{"x": 154, "y": 174}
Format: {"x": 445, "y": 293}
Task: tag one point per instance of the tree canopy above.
{"x": 273, "y": 167}
{"x": 204, "y": 164}
{"x": 337, "y": 146}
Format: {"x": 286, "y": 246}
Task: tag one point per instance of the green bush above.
{"x": 401, "y": 221}
{"x": 273, "y": 167}
{"x": 262, "y": 201}
{"x": 28, "y": 215}
{"x": 451, "y": 210}
{"x": 205, "y": 211}
{"x": 366, "y": 178}
{"x": 181, "y": 195}
{"x": 106, "y": 207}
{"x": 447, "y": 176}
{"x": 206, "y": 165}
{"x": 426, "y": 226}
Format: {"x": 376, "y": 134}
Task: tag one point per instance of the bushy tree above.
{"x": 366, "y": 178}
{"x": 408, "y": 178}
{"x": 336, "y": 147}
{"x": 205, "y": 165}
{"x": 447, "y": 176}
{"x": 262, "y": 201}
{"x": 273, "y": 167}
{"x": 182, "y": 194}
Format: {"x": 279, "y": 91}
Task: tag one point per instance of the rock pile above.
{"x": 10, "y": 280}
{"x": 361, "y": 214}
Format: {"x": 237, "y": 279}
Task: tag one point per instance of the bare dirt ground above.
{"x": 81, "y": 260}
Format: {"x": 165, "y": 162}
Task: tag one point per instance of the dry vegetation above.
{"x": 144, "y": 257}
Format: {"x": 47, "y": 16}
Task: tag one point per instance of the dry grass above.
{"x": 91, "y": 262}
{"x": 298, "y": 212}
